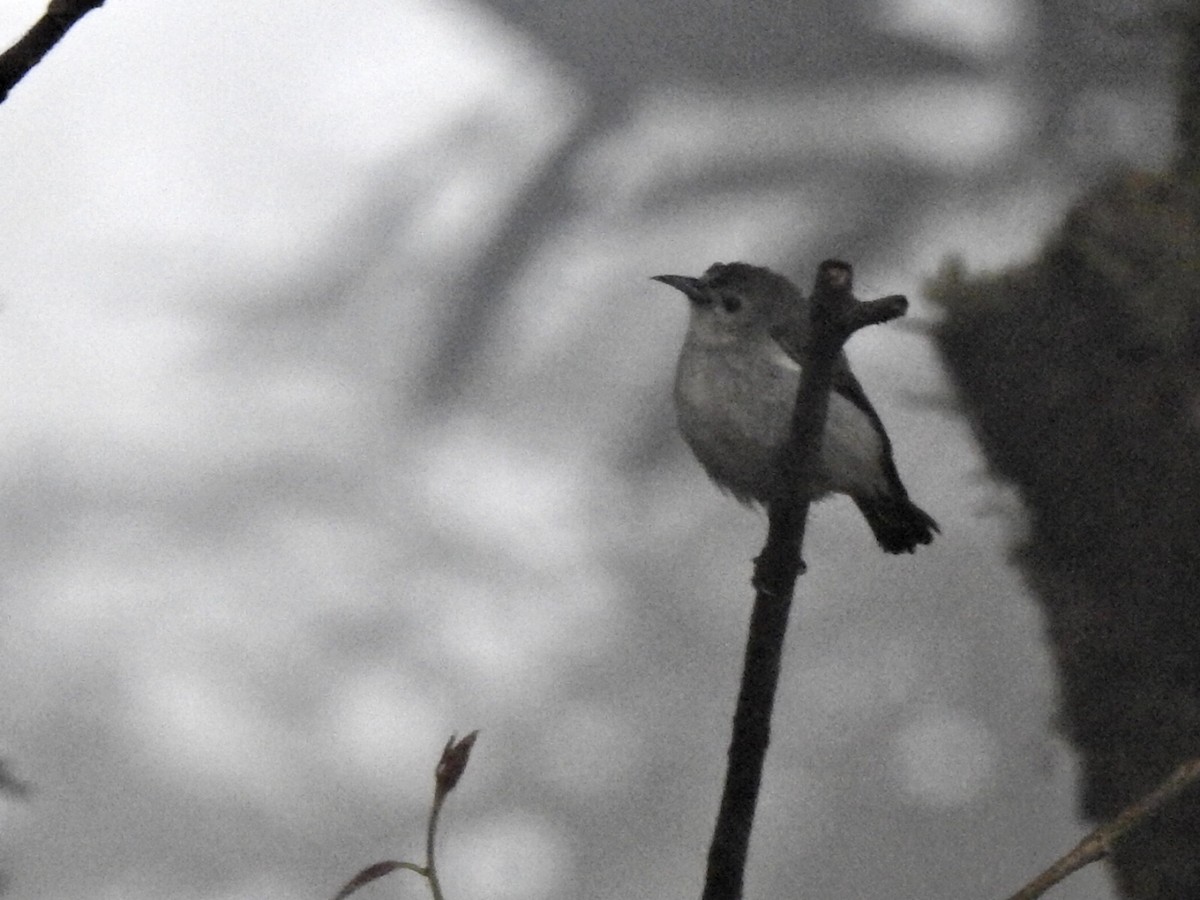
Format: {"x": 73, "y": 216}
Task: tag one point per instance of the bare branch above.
{"x": 17, "y": 60}
{"x": 836, "y": 315}
{"x": 1100, "y": 843}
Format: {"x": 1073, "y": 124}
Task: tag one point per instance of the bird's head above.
{"x": 735, "y": 300}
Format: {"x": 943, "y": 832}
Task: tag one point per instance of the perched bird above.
{"x": 735, "y": 389}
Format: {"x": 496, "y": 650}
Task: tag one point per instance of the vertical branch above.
{"x": 752, "y": 717}
{"x": 835, "y": 316}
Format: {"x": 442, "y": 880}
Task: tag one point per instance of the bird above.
{"x": 735, "y": 390}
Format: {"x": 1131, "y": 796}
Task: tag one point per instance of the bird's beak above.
{"x": 691, "y": 287}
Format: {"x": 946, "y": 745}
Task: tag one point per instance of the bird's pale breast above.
{"x": 735, "y": 408}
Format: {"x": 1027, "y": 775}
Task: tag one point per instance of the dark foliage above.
{"x": 1081, "y": 374}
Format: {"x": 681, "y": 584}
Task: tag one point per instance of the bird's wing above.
{"x": 789, "y": 327}
{"x": 788, "y": 336}
{"x": 847, "y": 385}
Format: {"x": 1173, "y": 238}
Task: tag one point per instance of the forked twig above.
{"x": 449, "y": 769}
{"x": 836, "y": 315}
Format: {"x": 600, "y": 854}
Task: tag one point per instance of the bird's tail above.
{"x": 898, "y": 523}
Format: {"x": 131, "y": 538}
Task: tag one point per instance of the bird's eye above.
{"x": 731, "y": 304}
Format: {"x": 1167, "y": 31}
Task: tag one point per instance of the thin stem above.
{"x": 1101, "y": 841}
{"x": 430, "y": 842}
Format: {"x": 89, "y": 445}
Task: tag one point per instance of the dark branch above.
{"x": 17, "y": 60}
{"x": 836, "y": 315}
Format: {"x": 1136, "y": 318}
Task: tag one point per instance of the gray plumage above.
{"x": 735, "y": 388}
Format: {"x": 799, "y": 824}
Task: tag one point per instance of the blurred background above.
{"x": 336, "y": 418}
